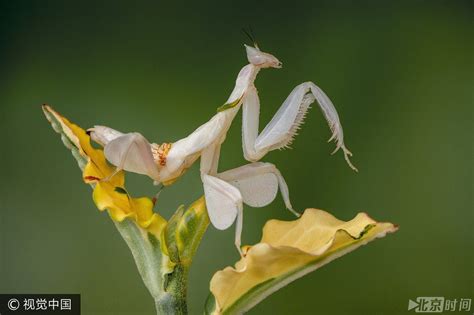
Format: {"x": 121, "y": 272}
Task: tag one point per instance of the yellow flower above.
{"x": 109, "y": 191}
{"x": 288, "y": 251}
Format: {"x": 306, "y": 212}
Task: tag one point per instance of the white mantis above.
{"x": 255, "y": 184}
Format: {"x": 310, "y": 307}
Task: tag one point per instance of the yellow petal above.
{"x": 288, "y": 251}
{"x": 122, "y": 206}
{"x": 105, "y": 197}
{"x": 97, "y": 167}
{"x": 108, "y": 194}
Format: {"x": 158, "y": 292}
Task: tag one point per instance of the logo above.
{"x": 439, "y": 304}
{"x": 13, "y": 304}
{"x": 23, "y": 304}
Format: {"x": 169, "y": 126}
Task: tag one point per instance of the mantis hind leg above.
{"x": 132, "y": 152}
{"x": 258, "y": 183}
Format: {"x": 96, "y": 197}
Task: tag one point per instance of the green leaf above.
{"x": 190, "y": 230}
{"x": 181, "y": 238}
{"x": 185, "y": 230}
{"x": 170, "y": 235}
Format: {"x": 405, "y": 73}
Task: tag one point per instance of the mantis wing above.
{"x": 132, "y": 152}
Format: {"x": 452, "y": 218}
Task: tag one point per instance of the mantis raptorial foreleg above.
{"x": 280, "y": 131}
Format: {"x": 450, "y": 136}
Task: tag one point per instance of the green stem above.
{"x": 146, "y": 253}
{"x": 173, "y": 301}
{"x": 167, "y": 289}
{"x": 164, "y": 267}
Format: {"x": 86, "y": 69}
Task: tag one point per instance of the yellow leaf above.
{"x": 109, "y": 192}
{"x": 289, "y": 250}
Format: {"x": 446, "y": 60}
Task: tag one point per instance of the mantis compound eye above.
{"x": 261, "y": 59}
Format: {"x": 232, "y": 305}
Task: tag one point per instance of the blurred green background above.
{"x": 399, "y": 73}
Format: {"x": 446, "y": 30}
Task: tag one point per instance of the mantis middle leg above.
{"x": 223, "y": 200}
{"x": 255, "y": 184}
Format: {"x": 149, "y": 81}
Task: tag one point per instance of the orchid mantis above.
{"x": 255, "y": 184}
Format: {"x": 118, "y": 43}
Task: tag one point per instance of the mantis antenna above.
{"x": 250, "y": 34}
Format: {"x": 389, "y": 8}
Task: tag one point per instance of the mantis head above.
{"x": 261, "y": 59}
